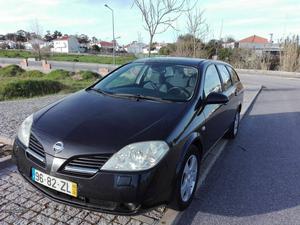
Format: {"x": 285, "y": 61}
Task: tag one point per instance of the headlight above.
{"x": 24, "y": 130}
{"x": 137, "y": 156}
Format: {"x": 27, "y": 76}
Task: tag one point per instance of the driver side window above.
{"x": 212, "y": 82}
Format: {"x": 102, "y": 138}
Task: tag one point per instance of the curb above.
{"x": 171, "y": 216}
{"x": 6, "y": 141}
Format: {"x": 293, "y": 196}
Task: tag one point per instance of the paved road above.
{"x": 70, "y": 66}
{"x": 257, "y": 178}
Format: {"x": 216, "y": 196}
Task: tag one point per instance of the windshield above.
{"x": 161, "y": 81}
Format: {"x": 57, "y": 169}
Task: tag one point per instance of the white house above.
{"x": 259, "y": 45}
{"x": 230, "y": 45}
{"x": 66, "y": 44}
{"x": 135, "y": 47}
{"x": 28, "y": 45}
{"x": 155, "y": 49}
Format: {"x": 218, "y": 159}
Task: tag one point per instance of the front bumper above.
{"x": 111, "y": 192}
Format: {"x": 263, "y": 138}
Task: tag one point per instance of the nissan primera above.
{"x": 133, "y": 140}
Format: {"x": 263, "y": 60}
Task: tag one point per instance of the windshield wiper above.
{"x": 99, "y": 91}
{"x": 139, "y": 97}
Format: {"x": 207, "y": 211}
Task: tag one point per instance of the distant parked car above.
{"x": 135, "y": 139}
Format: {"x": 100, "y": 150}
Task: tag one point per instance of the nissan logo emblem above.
{"x": 58, "y": 147}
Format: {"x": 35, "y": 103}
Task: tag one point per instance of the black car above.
{"x": 133, "y": 140}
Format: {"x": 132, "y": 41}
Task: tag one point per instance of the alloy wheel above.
{"x": 236, "y": 123}
{"x": 189, "y": 177}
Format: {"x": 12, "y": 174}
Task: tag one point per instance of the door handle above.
{"x": 236, "y": 92}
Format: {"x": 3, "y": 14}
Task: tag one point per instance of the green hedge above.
{"x": 11, "y": 71}
{"x": 33, "y": 74}
{"x": 29, "y": 88}
{"x": 88, "y": 75}
{"x": 58, "y": 75}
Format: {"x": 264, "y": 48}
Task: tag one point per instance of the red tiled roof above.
{"x": 106, "y": 44}
{"x": 64, "y": 38}
{"x": 254, "y": 39}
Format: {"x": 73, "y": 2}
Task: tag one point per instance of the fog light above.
{"x": 130, "y": 206}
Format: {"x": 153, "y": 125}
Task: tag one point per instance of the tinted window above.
{"x": 128, "y": 77}
{"x": 225, "y": 76}
{"x": 165, "y": 81}
{"x": 233, "y": 74}
{"x": 212, "y": 81}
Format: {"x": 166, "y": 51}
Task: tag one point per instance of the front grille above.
{"x": 86, "y": 165}
{"x": 36, "y": 151}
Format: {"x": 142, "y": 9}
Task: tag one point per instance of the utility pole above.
{"x": 113, "y": 28}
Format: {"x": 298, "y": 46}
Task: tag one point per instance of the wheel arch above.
{"x": 195, "y": 139}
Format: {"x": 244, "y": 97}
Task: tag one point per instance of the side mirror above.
{"x": 216, "y": 98}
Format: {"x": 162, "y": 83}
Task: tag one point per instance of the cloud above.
{"x": 240, "y": 17}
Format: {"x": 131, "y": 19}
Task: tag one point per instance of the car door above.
{"x": 239, "y": 89}
{"x": 230, "y": 91}
{"x": 214, "y": 113}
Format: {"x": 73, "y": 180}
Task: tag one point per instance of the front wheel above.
{"x": 187, "y": 179}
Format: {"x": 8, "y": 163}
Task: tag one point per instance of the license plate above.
{"x": 61, "y": 185}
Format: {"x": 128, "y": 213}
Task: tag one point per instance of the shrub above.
{"x": 88, "y": 75}
{"x": 11, "y": 71}
{"x": 58, "y": 75}
{"x": 29, "y": 88}
{"x": 33, "y": 74}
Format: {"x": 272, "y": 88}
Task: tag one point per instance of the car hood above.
{"x": 91, "y": 123}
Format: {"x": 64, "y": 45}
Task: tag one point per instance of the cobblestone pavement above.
{"x": 21, "y": 204}
{"x": 12, "y": 113}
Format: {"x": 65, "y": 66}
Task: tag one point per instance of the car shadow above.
{"x": 257, "y": 173}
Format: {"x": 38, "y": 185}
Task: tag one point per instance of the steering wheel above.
{"x": 179, "y": 90}
{"x": 151, "y": 83}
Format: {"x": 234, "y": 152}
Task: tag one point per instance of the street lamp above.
{"x": 113, "y": 26}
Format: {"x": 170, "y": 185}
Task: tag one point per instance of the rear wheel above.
{"x": 187, "y": 179}
{"x": 234, "y": 128}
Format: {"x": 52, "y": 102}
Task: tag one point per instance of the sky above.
{"x": 234, "y": 18}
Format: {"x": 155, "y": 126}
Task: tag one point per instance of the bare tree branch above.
{"x": 196, "y": 26}
{"x": 159, "y": 15}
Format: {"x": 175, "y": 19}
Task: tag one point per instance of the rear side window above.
{"x": 235, "y": 78}
{"x": 225, "y": 76}
{"x": 212, "y": 81}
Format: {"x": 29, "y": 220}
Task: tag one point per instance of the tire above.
{"x": 182, "y": 199}
{"x": 234, "y": 128}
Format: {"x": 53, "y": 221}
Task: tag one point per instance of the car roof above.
{"x": 175, "y": 60}
{"x": 178, "y": 60}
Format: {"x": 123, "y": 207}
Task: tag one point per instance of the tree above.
{"x": 168, "y": 49}
{"x": 11, "y": 36}
{"x": 94, "y": 39}
{"x": 48, "y": 37}
{"x": 36, "y": 39}
{"x": 212, "y": 47}
{"x": 185, "y": 46}
{"x": 229, "y": 39}
{"x": 290, "y": 56}
{"x": 196, "y": 26}
{"x": 95, "y": 48}
{"x": 56, "y": 34}
{"x": 159, "y": 15}
{"x": 4, "y": 46}
{"x": 83, "y": 39}
{"x": 21, "y": 36}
